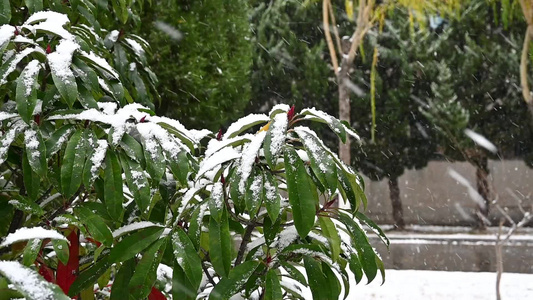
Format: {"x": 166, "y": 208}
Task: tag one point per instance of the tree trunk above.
{"x": 483, "y": 188}
{"x": 344, "y": 112}
{"x": 397, "y": 210}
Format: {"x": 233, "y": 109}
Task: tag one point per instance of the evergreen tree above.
{"x": 202, "y": 55}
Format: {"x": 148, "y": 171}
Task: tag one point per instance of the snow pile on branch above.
{"x": 24, "y": 234}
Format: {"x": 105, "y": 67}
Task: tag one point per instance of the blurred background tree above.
{"x": 202, "y": 56}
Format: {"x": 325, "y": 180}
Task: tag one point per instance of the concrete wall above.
{"x": 432, "y": 197}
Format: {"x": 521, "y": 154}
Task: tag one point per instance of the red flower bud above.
{"x": 16, "y": 31}
{"x": 143, "y": 120}
{"x": 290, "y": 113}
{"x": 219, "y": 135}
{"x": 48, "y": 49}
{"x": 37, "y": 119}
{"x": 222, "y": 179}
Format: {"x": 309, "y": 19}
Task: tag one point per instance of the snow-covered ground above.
{"x": 440, "y": 285}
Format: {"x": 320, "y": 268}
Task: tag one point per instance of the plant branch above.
{"x": 334, "y": 26}
{"x": 526, "y": 92}
{"x": 209, "y": 277}
{"x": 245, "y": 240}
{"x": 329, "y": 40}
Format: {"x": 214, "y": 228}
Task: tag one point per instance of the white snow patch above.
{"x": 134, "y": 226}
{"x": 27, "y": 280}
{"x": 61, "y": 59}
{"x": 23, "y": 234}
{"x": 222, "y": 156}
{"x": 248, "y": 158}
{"x": 237, "y": 126}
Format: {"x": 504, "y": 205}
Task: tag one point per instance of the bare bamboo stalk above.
{"x": 327, "y": 33}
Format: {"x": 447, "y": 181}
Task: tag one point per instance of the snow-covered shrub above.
{"x": 100, "y": 195}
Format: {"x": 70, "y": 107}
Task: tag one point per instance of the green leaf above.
{"x": 322, "y": 164}
{"x": 331, "y": 281}
{"x": 92, "y": 145}
{"x": 145, "y": 273}
{"x": 122, "y": 280}
{"x": 275, "y": 138}
{"x": 26, "y": 91}
{"x": 34, "y": 5}
{"x": 273, "y": 286}
{"x": 133, "y": 149}
{"x": 32, "y": 181}
{"x": 336, "y": 126}
{"x": 272, "y": 196}
{"x": 36, "y": 151}
{"x": 216, "y": 202}
{"x": 330, "y": 232}
{"x": 220, "y": 244}
{"x": 375, "y": 228}
{"x": 72, "y": 167}
{"x": 62, "y": 250}
{"x": 137, "y": 182}
{"x": 187, "y": 257}
{"x": 180, "y": 135}
{"x": 121, "y": 10}
{"x": 89, "y": 276}
{"x": 103, "y": 280}
{"x": 195, "y": 225}
{"x": 180, "y": 167}
{"x": 294, "y": 272}
{"x": 245, "y": 123}
{"x": 95, "y": 225}
{"x": 19, "y": 276}
{"x": 231, "y": 285}
{"x": 350, "y": 189}
{"x": 302, "y": 197}
{"x": 134, "y": 243}
{"x": 236, "y": 196}
{"x": 155, "y": 161}
{"x": 66, "y": 85}
{"x": 31, "y": 251}
{"x": 113, "y": 193}
{"x": 181, "y": 286}
{"x": 360, "y": 242}
{"x": 57, "y": 139}
{"x": 5, "y": 12}
{"x": 356, "y": 268}
{"x": 317, "y": 280}
{"x": 254, "y": 193}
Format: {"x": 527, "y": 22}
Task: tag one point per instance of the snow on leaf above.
{"x": 98, "y": 157}
{"x": 49, "y": 21}
{"x": 248, "y": 158}
{"x": 279, "y": 108}
{"x": 15, "y": 60}
{"x": 7, "y": 138}
{"x": 32, "y": 143}
{"x": 134, "y": 226}
{"x": 222, "y": 156}
{"x": 214, "y": 145}
{"x": 481, "y": 140}
{"x": 243, "y": 123}
{"x": 61, "y": 59}
{"x": 23, "y": 234}
{"x": 151, "y": 131}
{"x": 29, "y": 282}
{"x": 29, "y": 77}
{"x": 286, "y": 237}
{"x": 5, "y": 116}
{"x": 6, "y": 33}
{"x": 101, "y": 63}
{"x": 278, "y": 130}
{"x": 137, "y": 48}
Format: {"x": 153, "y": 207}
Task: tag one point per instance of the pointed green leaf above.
{"x": 19, "y": 276}
{"x": 95, "y": 225}
{"x": 26, "y": 91}
{"x": 57, "y": 139}
{"x": 317, "y": 280}
{"x": 231, "y": 285}
{"x": 34, "y": 5}
{"x": 220, "y": 244}
{"x": 301, "y": 196}
{"x": 275, "y": 138}
{"x": 32, "y": 181}
{"x": 65, "y": 83}
{"x": 5, "y": 12}
{"x": 273, "y": 287}
{"x": 355, "y": 267}
{"x": 72, "y": 167}
{"x": 134, "y": 243}
{"x": 133, "y": 149}
{"x": 254, "y": 193}
{"x": 330, "y": 232}
{"x": 145, "y": 273}
{"x": 272, "y": 196}
{"x": 181, "y": 286}
{"x": 294, "y": 272}
{"x": 36, "y": 151}
{"x": 137, "y": 182}
{"x": 62, "y": 250}
{"x": 31, "y": 251}
{"x": 216, "y": 202}
{"x": 331, "y": 281}
{"x": 187, "y": 257}
{"x": 89, "y": 276}
{"x": 122, "y": 280}
{"x": 180, "y": 167}
{"x": 113, "y": 193}
{"x": 375, "y": 228}
{"x": 155, "y": 161}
